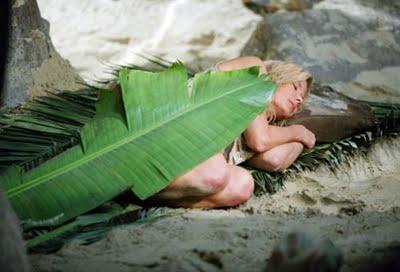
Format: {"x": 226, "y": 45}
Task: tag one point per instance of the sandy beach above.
{"x": 357, "y": 207}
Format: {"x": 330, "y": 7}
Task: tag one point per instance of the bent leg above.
{"x": 277, "y": 158}
{"x": 239, "y": 189}
{"x": 205, "y": 179}
{"x": 211, "y": 184}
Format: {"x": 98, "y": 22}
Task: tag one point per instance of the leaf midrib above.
{"x": 36, "y": 182}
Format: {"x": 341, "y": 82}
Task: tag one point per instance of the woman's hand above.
{"x": 303, "y": 135}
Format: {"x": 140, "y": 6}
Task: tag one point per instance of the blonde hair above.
{"x": 283, "y": 73}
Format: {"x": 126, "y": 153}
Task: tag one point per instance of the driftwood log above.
{"x": 333, "y": 116}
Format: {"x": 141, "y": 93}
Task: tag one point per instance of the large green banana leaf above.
{"x": 143, "y": 141}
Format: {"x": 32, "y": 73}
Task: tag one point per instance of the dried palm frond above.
{"x": 40, "y": 129}
{"x": 91, "y": 227}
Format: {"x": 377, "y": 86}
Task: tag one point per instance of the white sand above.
{"x": 358, "y": 210}
{"x": 368, "y": 183}
{"x": 93, "y": 33}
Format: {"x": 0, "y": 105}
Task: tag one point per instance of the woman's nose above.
{"x": 299, "y": 100}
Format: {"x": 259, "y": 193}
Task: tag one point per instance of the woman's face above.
{"x": 288, "y": 99}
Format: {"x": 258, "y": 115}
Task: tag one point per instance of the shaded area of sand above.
{"x": 224, "y": 240}
{"x": 358, "y": 208}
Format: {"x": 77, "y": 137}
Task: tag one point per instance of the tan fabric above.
{"x": 238, "y": 151}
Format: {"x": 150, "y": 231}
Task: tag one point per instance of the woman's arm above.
{"x": 261, "y": 137}
{"x": 241, "y": 63}
{"x": 277, "y": 158}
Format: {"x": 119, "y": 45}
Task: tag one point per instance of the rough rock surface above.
{"x": 33, "y": 65}
{"x": 332, "y": 116}
{"x": 12, "y": 251}
{"x": 357, "y": 52}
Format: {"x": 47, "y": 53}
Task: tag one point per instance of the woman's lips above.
{"x": 293, "y": 105}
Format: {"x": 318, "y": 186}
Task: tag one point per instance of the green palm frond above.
{"x": 92, "y": 227}
{"x": 387, "y": 117}
{"x": 86, "y": 227}
{"x": 155, "y": 133}
{"x": 44, "y": 127}
{"x": 157, "y": 63}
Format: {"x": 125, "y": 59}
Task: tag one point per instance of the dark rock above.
{"x": 388, "y": 7}
{"x": 360, "y": 55}
{"x": 33, "y": 66}
{"x": 12, "y": 251}
{"x": 302, "y": 251}
{"x": 264, "y": 7}
{"x": 332, "y": 116}
{"x": 299, "y": 5}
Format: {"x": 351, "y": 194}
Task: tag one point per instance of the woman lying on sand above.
{"x": 219, "y": 182}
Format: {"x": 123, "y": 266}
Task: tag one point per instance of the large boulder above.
{"x": 355, "y": 49}
{"x": 33, "y": 66}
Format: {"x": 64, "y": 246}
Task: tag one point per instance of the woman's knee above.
{"x": 216, "y": 180}
{"x": 244, "y": 186}
{"x": 213, "y": 176}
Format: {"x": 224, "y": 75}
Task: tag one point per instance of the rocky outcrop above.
{"x": 33, "y": 66}
{"x": 358, "y": 53}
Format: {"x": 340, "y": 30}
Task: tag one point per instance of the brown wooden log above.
{"x": 332, "y": 116}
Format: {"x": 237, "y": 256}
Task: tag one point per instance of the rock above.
{"x": 357, "y": 52}
{"x": 331, "y": 116}
{"x": 12, "y": 251}
{"x": 304, "y": 252}
{"x": 263, "y": 7}
{"x": 32, "y": 66}
{"x": 300, "y": 5}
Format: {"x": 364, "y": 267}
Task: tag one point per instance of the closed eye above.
{"x": 296, "y": 88}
